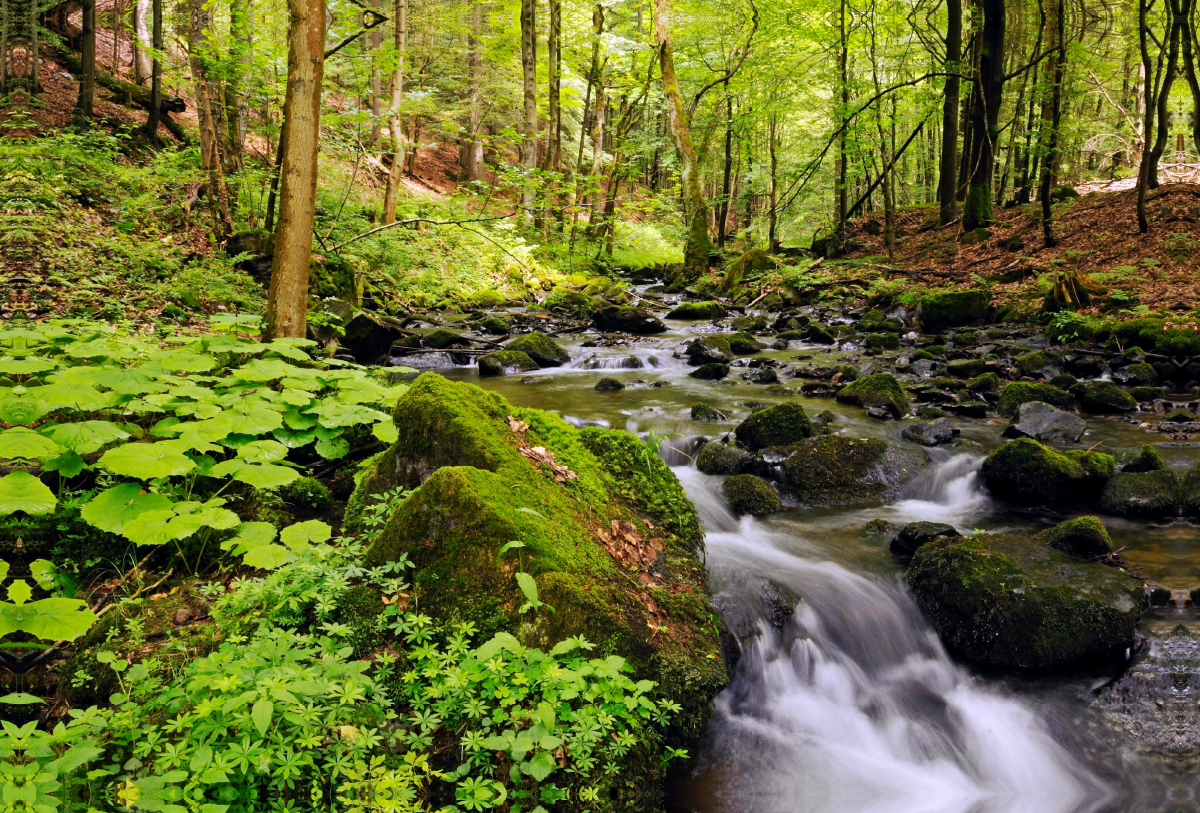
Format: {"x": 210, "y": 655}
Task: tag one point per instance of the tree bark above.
{"x": 529, "y": 123}
{"x": 199, "y": 55}
{"x": 236, "y": 106}
{"x": 985, "y": 116}
{"x": 472, "y": 161}
{"x": 948, "y": 162}
{"x": 773, "y": 216}
{"x": 87, "y": 79}
{"x": 143, "y": 37}
{"x": 843, "y": 112}
{"x": 1058, "y": 63}
{"x": 152, "y": 119}
{"x": 1164, "y": 95}
{"x": 391, "y": 193}
{"x": 723, "y": 207}
{"x": 599, "y": 119}
{"x": 554, "y": 104}
{"x": 374, "y": 40}
{"x": 287, "y": 299}
{"x": 698, "y": 245}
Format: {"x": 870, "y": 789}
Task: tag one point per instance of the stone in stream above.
{"x": 934, "y": 433}
{"x": 698, "y": 310}
{"x": 837, "y": 470}
{"x": 876, "y": 390}
{"x": 752, "y": 495}
{"x": 1026, "y": 472}
{"x": 817, "y": 334}
{"x": 710, "y": 349}
{"x": 442, "y": 339}
{"x": 614, "y": 542}
{"x": 710, "y": 372}
{"x": 988, "y": 382}
{"x": 541, "y": 348}
{"x": 1149, "y": 494}
{"x": 704, "y": 412}
{"x": 775, "y": 426}
{"x": 765, "y": 375}
{"x": 1083, "y": 536}
{"x": 608, "y": 385}
{"x": 1041, "y": 421}
{"x": 1107, "y": 398}
{"x": 1179, "y": 415}
{"x": 966, "y": 368}
{"x": 627, "y": 319}
{"x": 506, "y": 362}
{"x": 495, "y": 325}
{"x": 915, "y": 534}
{"x": 818, "y": 389}
{"x": 366, "y": 336}
{"x": 1014, "y": 601}
{"x": 941, "y": 309}
{"x": 1147, "y": 459}
{"x": 723, "y": 458}
{"x": 1019, "y": 392}
{"x": 743, "y": 344}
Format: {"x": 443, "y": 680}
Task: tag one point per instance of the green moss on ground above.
{"x": 699, "y": 310}
{"x": 941, "y": 309}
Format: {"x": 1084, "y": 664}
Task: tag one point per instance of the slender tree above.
{"x": 985, "y": 116}
{"x": 391, "y": 195}
{"x": 948, "y": 161}
{"x": 87, "y": 77}
{"x": 1056, "y": 68}
{"x": 529, "y": 122}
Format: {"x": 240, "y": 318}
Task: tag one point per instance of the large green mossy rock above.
{"x": 699, "y": 310}
{"x": 1021, "y": 392}
{"x": 1026, "y": 472}
{"x": 1146, "y": 494}
{"x": 475, "y": 491}
{"x": 541, "y": 348}
{"x": 774, "y": 426}
{"x": 506, "y": 362}
{"x": 748, "y": 494}
{"x": 837, "y": 470}
{"x": 941, "y": 309}
{"x": 1106, "y": 398}
{"x": 876, "y": 390}
{"x": 1012, "y": 601}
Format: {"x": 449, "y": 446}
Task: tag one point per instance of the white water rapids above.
{"x": 852, "y": 705}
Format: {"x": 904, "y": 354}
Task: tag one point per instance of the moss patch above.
{"x": 699, "y": 310}
{"x": 1026, "y": 472}
{"x": 775, "y": 426}
{"x": 941, "y": 309}
{"x": 752, "y": 495}
{"x": 541, "y": 348}
{"x": 878, "y": 389}
{"x": 506, "y": 362}
{"x": 1019, "y": 392}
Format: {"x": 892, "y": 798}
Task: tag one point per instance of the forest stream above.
{"x": 843, "y": 698}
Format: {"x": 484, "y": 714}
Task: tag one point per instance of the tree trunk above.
{"x": 87, "y": 79}
{"x": 143, "y": 37}
{"x": 472, "y": 161}
{"x": 287, "y": 299}
{"x": 199, "y": 55}
{"x": 843, "y": 112}
{"x": 236, "y": 105}
{"x": 151, "y": 128}
{"x": 1058, "y": 63}
{"x": 554, "y": 107}
{"x": 599, "y": 119}
{"x": 1184, "y": 10}
{"x": 985, "y": 116}
{"x": 773, "y": 215}
{"x": 1164, "y": 94}
{"x": 374, "y": 40}
{"x": 723, "y": 207}
{"x": 391, "y": 192}
{"x": 948, "y": 162}
{"x": 529, "y": 124}
{"x": 698, "y": 245}
{"x": 593, "y": 76}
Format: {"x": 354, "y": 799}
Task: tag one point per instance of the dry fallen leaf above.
{"x": 539, "y": 454}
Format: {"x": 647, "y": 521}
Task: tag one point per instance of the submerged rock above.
{"x": 541, "y": 348}
{"x": 1013, "y": 601}
{"x": 704, "y": 412}
{"x": 614, "y": 544}
{"x": 506, "y": 362}
{"x": 876, "y": 390}
{"x": 710, "y": 372}
{"x": 608, "y": 385}
{"x": 1041, "y": 421}
{"x": 748, "y": 494}
{"x": 775, "y": 426}
{"x": 627, "y": 319}
{"x": 934, "y": 433}
{"x": 1026, "y": 472}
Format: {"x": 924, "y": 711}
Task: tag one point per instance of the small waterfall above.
{"x": 949, "y": 491}
{"x": 851, "y": 704}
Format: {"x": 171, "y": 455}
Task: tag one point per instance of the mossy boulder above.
{"x": 541, "y": 348}
{"x": 627, "y": 319}
{"x": 704, "y": 412}
{"x": 876, "y": 390}
{"x": 966, "y": 368}
{"x": 442, "y": 339}
{"x": 1032, "y": 363}
{"x": 1085, "y": 537}
{"x": 723, "y": 458}
{"x": 883, "y": 341}
{"x": 1147, "y": 458}
{"x": 709, "y": 350}
{"x": 988, "y": 382}
{"x": 1019, "y": 392}
{"x": 1026, "y": 472}
{"x": 1146, "y": 494}
{"x": 818, "y": 334}
{"x": 941, "y": 309}
{"x": 775, "y": 426}
{"x": 710, "y": 372}
{"x": 747, "y": 266}
{"x": 495, "y": 325}
{"x": 1012, "y": 601}
{"x": 837, "y": 470}
{"x": 699, "y": 310}
{"x": 1106, "y": 398}
{"x": 752, "y": 495}
{"x": 506, "y": 362}
{"x": 743, "y": 344}
{"x": 475, "y": 491}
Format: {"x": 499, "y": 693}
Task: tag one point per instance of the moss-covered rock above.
{"x": 747, "y": 266}
{"x": 836, "y": 470}
{"x": 743, "y": 344}
{"x": 775, "y": 426}
{"x": 1032, "y": 363}
{"x": 876, "y": 390}
{"x": 817, "y": 334}
{"x": 1085, "y": 537}
{"x": 1106, "y": 398}
{"x": 752, "y": 495}
{"x": 306, "y": 495}
{"x": 966, "y": 368}
{"x": 941, "y": 309}
{"x": 627, "y": 319}
{"x": 710, "y": 372}
{"x": 1146, "y": 395}
{"x": 1019, "y": 392}
{"x": 699, "y": 310}
{"x": 496, "y": 325}
{"x": 704, "y": 412}
{"x": 1146, "y": 459}
{"x": 506, "y": 362}
{"x": 988, "y": 382}
{"x": 883, "y": 341}
{"x": 541, "y": 348}
{"x": 723, "y": 458}
{"x": 1011, "y": 601}
{"x": 1141, "y": 494}
{"x": 442, "y": 339}
{"x": 1026, "y": 472}
{"x": 709, "y": 349}
{"x": 475, "y": 491}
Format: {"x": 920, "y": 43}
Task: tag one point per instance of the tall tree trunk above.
{"x": 200, "y": 56}
{"x": 948, "y": 162}
{"x": 843, "y": 122}
{"x": 1058, "y": 63}
{"x": 773, "y": 215}
{"x": 87, "y": 78}
{"x": 554, "y": 106}
{"x": 698, "y": 245}
{"x": 374, "y": 40}
{"x": 151, "y": 127}
{"x": 985, "y": 117}
{"x": 1164, "y": 96}
{"x": 287, "y": 299}
{"x": 472, "y": 160}
{"x": 593, "y": 77}
{"x": 1185, "y": 10}
{"x": 391, "y": 192}
{"x": 117, "y": 13}
{"x": 236, "y": 106}
{"x": 529, "y": 123}
{"x": 143, "y": 38}
{"x": 599, "y": 120}
{"x": 723, "y": 207}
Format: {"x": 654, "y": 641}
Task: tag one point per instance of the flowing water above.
{"x": 842, "y": 698}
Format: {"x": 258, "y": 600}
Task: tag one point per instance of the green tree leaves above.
{"x": 146, "y": 461}
{"x": 21, "y": 491}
